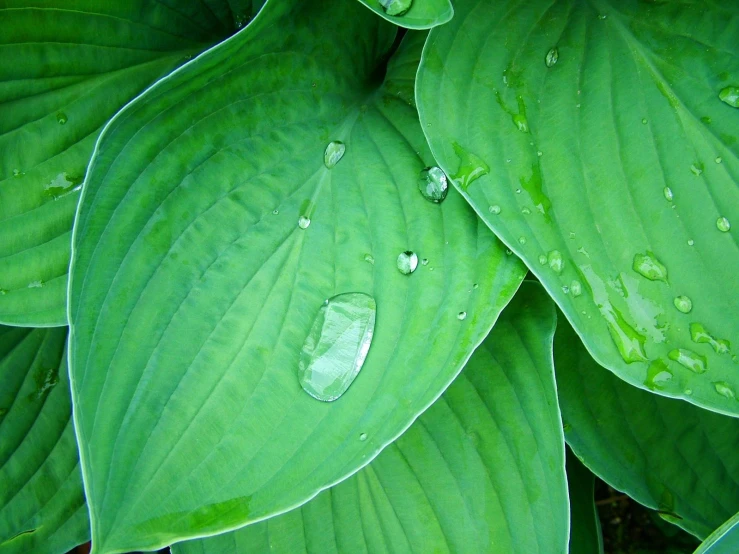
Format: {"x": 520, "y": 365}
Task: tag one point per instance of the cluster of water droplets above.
{"x": 396, "y": 8}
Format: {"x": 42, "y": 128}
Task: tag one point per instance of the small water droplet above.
{"x": 667, "y": 191}
{"x": 3, "y": 292}
{"x": 691, "y": 242}
{"x": 303, "y": 222}
{"x": 61, "y": 117}
{"x": 241, "y": 19}
{"x": 647, "y": 265}
{"x": 363, "y": 437}
{"x": 521, "y": 240}
{"x": 552, "y": 57}
{"x": 333, "y": 154}
{"x": 475, "y": 286}
{"x": 644, "y": 121}
{"x": 730, "y": 96}
{"x": 576, "y": 288}
{"x": 688, "y": 392}
{"x": 522, "y": 124}
{"x": 518, "y": 191}
{"x": 275, "y": 211}
{"x": 539, "y": 153}
{"x": 602, "y": 16}
{"x": 432, "y": 183}
{"x": 495, "y": 210}
{"x": 369, "y": 258}
{"x": 337, "y": 345}
{"x": 508, "y": 251}
{"x": 657, "y": 375}
{"x": 700, "y": 335}
{"x": 461, "y": 315}
{"x": 683, "y": 304}
{"x": 425, "y": 261}
{"x": 689, "y": 359}
{"x": 718, "y": 159}
{"x": 697, "y": 168}
{"x": 724, "y": 389}
{"x": 407, "y": 262}
{"x": 723, "y": 224}
{"x": 542, "y": 259}
{"x": 565, "y": 289}
{"x": 556, "y": 261}
{"x": 36, "y": 284}
{"x": 525, "y": 211}
{"x": 396, "y": 7}
{"x": 17, "y": 173}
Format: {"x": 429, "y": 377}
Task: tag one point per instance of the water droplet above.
{"x": 525, "y": 211}
{"x": 723, "y": 224}
{"x": 61, "y": 117}
{"x": 556, "y": 262}
{"x": 730, "y": 96}
{"x": 471, "y": 167}
{"x": 475, "y": 286}
{"x": 683, "y": 304}
{"x": 724, "y": 389}
{"x": 657, "y": 375}
{"x": 576, "y": 288}
{"x": 565, "y": 289}
{"x": 433, "y": 184}
{"x": 539, "y": 153}
{"x": 303, "y": 222}
{"x": 644, "y": 121}
{"x": 718, "y": 159}
{"x": 425, "y": 261}
{"x": 522, "y": 124}
{"x": 333, "y": 154}
{"x": 697, "y": 168}
{"x": 551, "y": 57}
{"x": 62, "y": 185}
{"x": 275, "y": 211}
{"x": 691, "y": 242}
{"x": 521, "y": 240}
{"x": 396, "y": 7}
{"x": 667, "y": 191}
{"x": 508, "y": 251}
{"x": 241, "y": 19}
{"x": 699, "y": 334}
{"x": 3, "y": 292}
{"x": 407, "y": 262}
{"x": 495, "y": 210}
{"x": 461, "y": 315}
{"x": 542, "y": 259}
{"x": 688, "y": 392}
{"x": 689, "y": 359}
{"x": 36, "y": 284}
{"x": 647, "y": 265}
{"x": 518, "y": 191}
{"x": 17, "y": 173}
{"x": 602, "y": 16}
{"x": 337, "y": 345}
{"x": 369, "y": 258}
{"x": 363, "y": 437}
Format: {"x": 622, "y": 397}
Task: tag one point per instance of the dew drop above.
{"x": 542, "y": 259}
{"x": 647, "y": 265}
{"x": 696, "y": 168}
{"x": 525, "y": 211}
{"x": 602, "y": 16}
{"x": 36, "y": 284}
{"x": 407, "y": 262}
{"x": 522, "y": 124}
{"x": 718, "y": 159}
{"x": 337, "y": 345}
{"x": 363, "y": 437}
{"x": 303, "y": 222}
{"x": 723, "y": 224}
{"x": 61, "y": 118}
{"x": 425, "y": 261}
{"x": 730, "y": 96}
{"x": 689, "y": 359}
{"x": 275, "y": 211}
{"x": 644, "y": 121}
{"x": 396, "y": 7}
{"x": 495, "y": 210}
{"x": 556, "y": 262}
{"x": 521, "y": 240}
{"x": 369, "y": 258}
{"x": 688, "y": 392}
{"x": 576, "y": 288}
{"x": 475, "y": 286}
{"x": 565, "y": 289}
{"x": 683, "y": 304}
{"x": 667, "y": 191}
{"x": 657, "y": 375}
{"x": 333, "y": 154}
{"x": 17, "y": 173}
{"x": 432, "y": 183}
{"x": 241, "y": 19}
{"x": 461, "y": 315}
{"x": 691, "y": 242}
{"x": 700, "y": 335}
{"x": 724, "y": 389}
{"x": 552, "y": 57}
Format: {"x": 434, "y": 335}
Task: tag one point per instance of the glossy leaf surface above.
{"x": 413, "y": 14}
{"x": 724, "y": 540}
{"x": 585, "y": 531}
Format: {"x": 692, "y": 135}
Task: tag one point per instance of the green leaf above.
{"x": 65, "y": 68}
{"x": 480, "y": 471}
{"x": 209, "y": 235}
{"x": 665, "y": 453}
{"x": 571, "y": 164}
{"x": 585, "y": 532}
{"x": 42, "y": 505}
{"x": 724, "y": 540}
{"x": 413, "y": 14}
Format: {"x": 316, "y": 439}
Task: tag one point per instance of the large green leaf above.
{"x": 724, "y": 540}
{"x": 665, "y": 453}
{"x": 193, "y": 285}
{"x": 413, "y": 14}
{"x": 42, "y": 506}
{"x": 65, "y": 68}
{"x": 585, "y": 533}
{"x": 482, "y": 470}
{"x": 590, "y": 135}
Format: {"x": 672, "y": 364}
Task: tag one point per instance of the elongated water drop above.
{"x": 683, "y": 304}
{"x": 699, "y": 334}
{"x": 647, "y": 265}
{"x": 432, "y": 183}
{"x": 730, "y": 96}
{"x": 723, "y": 224}
{"x": 667, "y": 191}
{"x": 407, "y": 262}
{"x": 556, "y": 262}
{"x": 689, "y": 359}
{"x": 657, "y": 375}
{"x": 396, "y": 7}
{"x": 337, "y": 345}
{"x": 552, "y": 57}
{"x": 724, "y": 389}
{"x": 333, "y": 154}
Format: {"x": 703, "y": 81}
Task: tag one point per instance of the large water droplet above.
{"x": 647, "y": 265}
{"x": 699, "y": 334}
{"x": 337, "y": 345}
{"x": 396, "y": 7}
{"x": 689, "y": 359}
{"x": 407, "y": 262}
{"x": 61, "y": 117}
{"x": 724, "y": 389}
{"x": 303, "y": 222}
{"x": 657, "y": 375}
{"x": 723, "y": 224}
{"x": 730, "y": 96}
{"x": 433, "y": 184}
{"x": 683, "y": 304}
{"x": 556, "y": 262}
{"x": 552, "y": 57}
{"x": 334, "y": 152}
{"x": 471, "y": 167}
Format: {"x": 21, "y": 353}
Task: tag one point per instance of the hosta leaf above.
{"x": 482, "y": 470}
{"x": 591, "y": 137}
{"x": 65, "y": 68}
{"x": 585, "y": 533}
{"x": 42, "y": 506}
{"x": 665, "y": 453}
{"x": 209, "y": 235}
{"x": 724, "y": 540}
{"x": 413, "y": 14}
